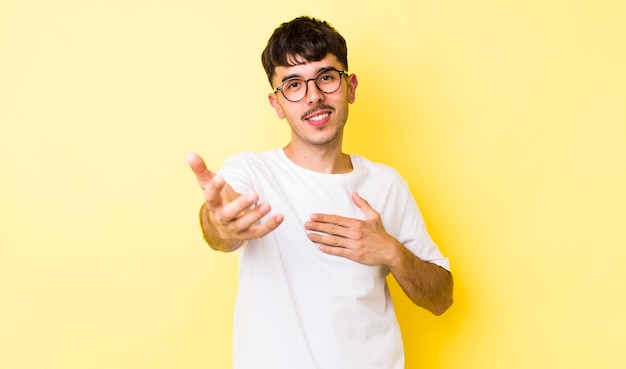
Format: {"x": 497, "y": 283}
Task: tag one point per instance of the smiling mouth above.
{"x": 320, "y": 117}
{"x": 318, "y": 113}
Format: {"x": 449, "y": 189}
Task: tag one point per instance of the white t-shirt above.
{"x": 298, "y": 308}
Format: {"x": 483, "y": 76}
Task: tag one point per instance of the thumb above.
{"x": 199, "y": 168}
{"x": 365, "y": 207}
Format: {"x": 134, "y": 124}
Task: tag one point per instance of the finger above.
{"x": 332, "y": 229}
{"x": 332, "y": 219}
{"x": 337, "y": 251}
{"x": 333, "y": 241}
{"x": 233, "y": 208}
{"x": 199, "y": 168}
{"x": 262, "y": 229}
{"x": 365, "y": 206}
{"x": 248, "y": 218}
{"x": 213, "y": 192}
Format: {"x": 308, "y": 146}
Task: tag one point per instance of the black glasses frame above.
{"x": 306, "y": 83}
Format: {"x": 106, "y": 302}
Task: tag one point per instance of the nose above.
{"x": 313, "y": 93}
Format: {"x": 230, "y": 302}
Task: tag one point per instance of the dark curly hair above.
{"x": 303, "y": 39}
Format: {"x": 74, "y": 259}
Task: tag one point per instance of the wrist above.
{"x": 397, "y": 255}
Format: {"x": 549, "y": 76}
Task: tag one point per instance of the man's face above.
{"x": 318, "y": 119}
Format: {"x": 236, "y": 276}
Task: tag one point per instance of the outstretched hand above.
{"x": 232, "y": 215}
{"x": 363, "y": 241}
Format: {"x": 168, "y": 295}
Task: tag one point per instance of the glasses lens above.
{"x": 294, "y": 89}
{"x": 328, "y": 81}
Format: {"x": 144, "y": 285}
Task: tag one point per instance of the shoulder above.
{"x": 377, "y": 169}
{"x": 245, "y": 171}
{"x": 251, "y": 159}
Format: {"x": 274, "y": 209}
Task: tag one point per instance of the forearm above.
{"x": 212, "y": 236}
{"x": 426, "y": 284}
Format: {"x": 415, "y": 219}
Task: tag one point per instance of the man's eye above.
{"x": 327, "y": 77}
{"x": 293, "y": 85}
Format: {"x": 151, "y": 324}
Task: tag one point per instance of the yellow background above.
{"x": 508, "y": 119}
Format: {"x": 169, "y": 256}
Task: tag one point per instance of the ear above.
{"x": 274, "y": 103}
{"x": 353, "y": 82}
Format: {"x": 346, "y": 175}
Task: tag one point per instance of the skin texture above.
{"x": 317, "y": 122}
{"x": 227, "y": 217}
{"x": 316, "y": 145}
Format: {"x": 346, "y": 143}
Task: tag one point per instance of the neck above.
{"x": 320, "y": 160}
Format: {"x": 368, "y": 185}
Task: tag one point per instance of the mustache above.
{"x": 317, "y": 108}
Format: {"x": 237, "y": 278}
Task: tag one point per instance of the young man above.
{"x": 313, "y": 265}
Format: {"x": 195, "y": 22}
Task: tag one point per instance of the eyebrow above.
{"x": 295, "y": 75}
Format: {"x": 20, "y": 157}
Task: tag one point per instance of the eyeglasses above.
{"x": 327, "y": 80}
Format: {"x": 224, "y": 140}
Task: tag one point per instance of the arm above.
{"x": 428, "y": 285}
{"x": 228, "y": 218}
{"x": 367, "y": 242}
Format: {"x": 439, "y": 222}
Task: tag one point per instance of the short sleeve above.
{"x": 414, "y": 235}
{"x": 237, "y": 172}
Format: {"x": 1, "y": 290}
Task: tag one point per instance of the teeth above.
{"x": 319, "y": 117}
